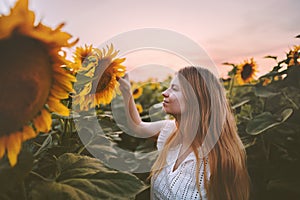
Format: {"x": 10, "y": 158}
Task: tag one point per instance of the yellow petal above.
{"x": 64, "y": 74}
{"x": 38, "y": 124}
{"x": 61, "y": 38}
{"x": 86, "y": 90}
{"x": 119, "y": 60}
{"x": 64, "y": 83}
{"x": 56, "y": 106}
{"x": 2, "y": 146}
{"x": 43, "y": 122}
{"x": 19, "y": 17}
{"x": 13, "y": 147}
{"x": 47, "y": 119}
{"x": 58, "y": 92}
{"x": 28, "y": 133}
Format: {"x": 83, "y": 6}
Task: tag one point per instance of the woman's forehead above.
{"x": 175, "y": 80}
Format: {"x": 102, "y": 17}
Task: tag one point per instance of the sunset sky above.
{"x": 229, "y": 31}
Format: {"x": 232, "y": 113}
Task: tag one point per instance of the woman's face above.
{"x": 173, "y": 98}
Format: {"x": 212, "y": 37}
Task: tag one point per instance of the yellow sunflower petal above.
{"x": 43, "y": 122}
{"x": 58, "y": 92}
{"x": 60, "y": 38}
{"x": 19, "y": 15}
{"x": 56, "y": 106}
{"x": 119, "y": 60}
{"x": 13, "y": 145}
{"x": 139, "y": 107}
{"x": 2, "y": 146}
{"x": 65, "y": 74}
{"x": 28, "y": 133}
{"x": 90, "y": 73}
{"x": 64, "y": 83}
{"x": 86, "y": 90}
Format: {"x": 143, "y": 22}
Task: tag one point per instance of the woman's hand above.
{"x": 125, "y": 86}
{"x": 133, "y": 119}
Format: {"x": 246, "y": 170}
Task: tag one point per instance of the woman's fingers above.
{"x": 124, "y": 84}
{"x": 126, "y": 77}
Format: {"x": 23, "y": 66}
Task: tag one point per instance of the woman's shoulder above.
{"x": 165, "y": 132}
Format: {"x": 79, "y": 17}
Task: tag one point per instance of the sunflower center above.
{"x": 135, "y": 91}
{"x": 247, "y": 71}
{"x": 26, "y": 78}
{"x": 104, "y": 81}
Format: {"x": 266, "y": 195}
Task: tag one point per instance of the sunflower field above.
{"x": 57, "y": 114}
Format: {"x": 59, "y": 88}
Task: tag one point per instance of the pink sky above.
{"x": 229, "y": 31}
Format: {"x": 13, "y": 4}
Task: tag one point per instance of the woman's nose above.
{"x": 165, "y": 93}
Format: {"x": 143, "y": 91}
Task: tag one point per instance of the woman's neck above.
{"x": 182, "y": 137}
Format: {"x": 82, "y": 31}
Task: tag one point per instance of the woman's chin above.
{"x": 165, "y": 110}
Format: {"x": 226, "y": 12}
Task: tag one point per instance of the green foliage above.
{"x": 268, "y": 115}
{"x": 61, "y": 164}
{"x": 265, "y": 121}
{"x": 83, "y": 178}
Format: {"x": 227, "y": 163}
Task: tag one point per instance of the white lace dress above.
{"x": 181, "y": 183}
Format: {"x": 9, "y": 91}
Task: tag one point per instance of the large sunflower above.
{"x": 246, "y": 71}
{"x": 101, "y": 67}
{"x": 33, "y": 81}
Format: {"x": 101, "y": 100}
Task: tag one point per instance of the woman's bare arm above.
{"x": 134, "y": 122}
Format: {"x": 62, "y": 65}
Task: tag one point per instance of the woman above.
{"x": 200, "y": 153}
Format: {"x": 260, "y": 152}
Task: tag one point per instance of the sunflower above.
{"x": 294, "y": 56}
{"x": 33, "y": 79}
{"x": 137, "y": 92}
{"x": 154, "y": 86}
{"x": 246, "y": 71}
{"x": 101, "y": 68}
{"x": 81, "y": 57}
{"x": 139, "y": 107}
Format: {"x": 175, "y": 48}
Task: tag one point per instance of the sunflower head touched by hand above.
{"x": 97, "y": 76}
{"x": 34, "y": 79}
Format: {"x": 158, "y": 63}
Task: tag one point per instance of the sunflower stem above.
{"x": 66, "y": 124}
{"x": 231, "y": 85}
{"x": 82, "y": 148}
{"x": 23, "y": 190}
{"x": 290, "y": 100}
{"x": 41, "y": 177}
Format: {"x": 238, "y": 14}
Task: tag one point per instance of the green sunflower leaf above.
{"x": 262, "y": 91}
{"x": 86, "y": 178}
{"x": 240, "y": 104}
{"x": 11, "y": 178}
{"x": 265, "y": 121}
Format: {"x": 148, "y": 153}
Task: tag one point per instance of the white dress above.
{"x": 181, "y": 183}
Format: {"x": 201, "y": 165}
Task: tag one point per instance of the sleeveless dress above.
{"x": 181, "y": 183}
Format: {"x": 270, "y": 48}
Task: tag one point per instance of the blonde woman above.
{"x": 200, "y": 153}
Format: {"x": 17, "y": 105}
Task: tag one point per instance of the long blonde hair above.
{"x": 216, "y": 131}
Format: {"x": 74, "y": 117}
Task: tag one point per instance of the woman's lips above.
{"x": 165, "y": 103}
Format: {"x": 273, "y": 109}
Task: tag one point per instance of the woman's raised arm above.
{"x": 134, "y": 122}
